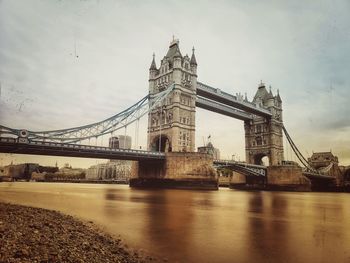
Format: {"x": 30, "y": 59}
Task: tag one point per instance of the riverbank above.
{"x": 30, "y": 234}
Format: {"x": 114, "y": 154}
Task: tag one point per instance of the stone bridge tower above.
{"x": 264, "y": 137}
{"x": 171, "y": 126}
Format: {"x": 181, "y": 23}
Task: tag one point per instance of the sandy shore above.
{"x": 38, "y": 235}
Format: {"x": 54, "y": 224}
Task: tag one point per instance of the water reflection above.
{"x": 168, "y": 216}
{"x": 201, "y": 226}
{"x": 268, "y": 234}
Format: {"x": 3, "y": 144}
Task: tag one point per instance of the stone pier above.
{"x": 279, "y": 177}
{"x": 240, "y": 181}
{"x": 287, "y": 178}
{"x": 179, "y": 170}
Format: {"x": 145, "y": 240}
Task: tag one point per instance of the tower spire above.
{"x": 193, "y": 58}
{"x": 278, "y": 96}
{"x": 153, "y": 64}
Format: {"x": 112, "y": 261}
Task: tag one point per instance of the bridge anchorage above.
{"x": 170, "y": 159}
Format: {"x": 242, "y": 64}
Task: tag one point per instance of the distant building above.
{"x": 23, "y": 171}
{"x": 119, "y": 170}
{"x": 322, "y": 159}
{"x": 68, "y": 171}
{"x": 328, "y": 164}
{"x": 114, "y": 142}
{"x": 120, "y": 142}
{"x": 209, "y": 149}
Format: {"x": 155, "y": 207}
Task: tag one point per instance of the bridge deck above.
{"x": 243, "y": 168}
{"x": 316, "y": 176}
{"x": 9, "y": 145}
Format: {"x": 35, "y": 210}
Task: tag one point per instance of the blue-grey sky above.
{"x": 68, "y": 63}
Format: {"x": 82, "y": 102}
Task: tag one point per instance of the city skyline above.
{"x": 72, "y": 65}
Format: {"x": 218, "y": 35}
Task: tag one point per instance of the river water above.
{"x": 205, "y": 226}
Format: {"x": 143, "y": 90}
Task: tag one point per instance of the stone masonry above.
{"x": 264, "y": 137}
{"x": 171, "y": 126}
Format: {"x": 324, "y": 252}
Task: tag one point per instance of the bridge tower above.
{"x": 171, "y": 126}
{"x": 264, "y": 137}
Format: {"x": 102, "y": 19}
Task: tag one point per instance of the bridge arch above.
{"x": 161, "y": 143}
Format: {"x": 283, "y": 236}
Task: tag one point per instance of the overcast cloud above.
{"x": 69, "y": 63}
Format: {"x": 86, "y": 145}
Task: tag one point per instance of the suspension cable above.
{"x": 299, "y": 155}
{"x": 97, "y": 129}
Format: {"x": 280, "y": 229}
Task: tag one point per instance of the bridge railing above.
{"x": 239, "y": 163}
{"x": 79, "y": 146}
{"x": 251, "y": 169}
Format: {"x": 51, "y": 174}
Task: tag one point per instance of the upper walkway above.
{"x": 217, "y": 95}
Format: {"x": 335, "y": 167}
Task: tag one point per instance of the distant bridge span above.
{"x": 253, "y": 170}
{"x": 243, "y": 168}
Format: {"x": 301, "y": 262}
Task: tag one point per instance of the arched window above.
{"x": 258, "y": 141}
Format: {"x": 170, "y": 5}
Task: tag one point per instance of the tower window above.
{"x": 258, "y": 128}
{"x": 258, "y": 141}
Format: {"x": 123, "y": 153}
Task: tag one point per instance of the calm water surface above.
{"x": 206, "y": 226}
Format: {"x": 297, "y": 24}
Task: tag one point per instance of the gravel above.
{"x": 30, "y": 234}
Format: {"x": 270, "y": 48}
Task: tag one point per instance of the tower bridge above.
{"x": 174, "y": 94}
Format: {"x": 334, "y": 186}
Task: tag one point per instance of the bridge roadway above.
{"x": 318, "y": 176}
{"x": 261, "y": 170}
{"x": 10, "y": 145}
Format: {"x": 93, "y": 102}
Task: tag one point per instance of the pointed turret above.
{"x": 278, "y": 96}
{"x": 153, "y": 64}
{"x": 193, "y": 58}
{"x": 174, "y": 50}
{"x": 261, "y": 94}
{"x": 270, "y": 95}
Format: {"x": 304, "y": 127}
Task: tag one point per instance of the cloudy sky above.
{"x": 69, "y": 63}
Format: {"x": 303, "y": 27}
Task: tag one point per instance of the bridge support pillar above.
{"x": 179, "y": 170}
{"x": 287, "y": 177}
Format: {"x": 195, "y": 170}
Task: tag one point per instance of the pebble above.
{"x": 57, "y": 238}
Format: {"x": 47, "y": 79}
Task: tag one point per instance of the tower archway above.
{"x": 262, "y": 159}
{"x": 161, "y": 143}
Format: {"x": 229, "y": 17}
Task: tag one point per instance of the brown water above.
{"x": 206, "y": 226}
